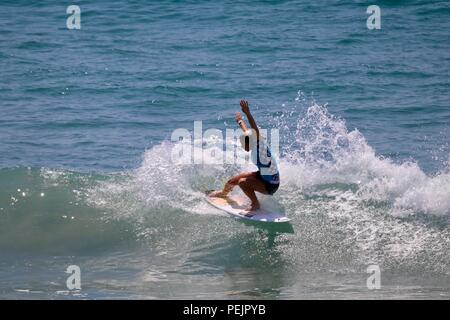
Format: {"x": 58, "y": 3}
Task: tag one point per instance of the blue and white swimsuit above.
{"x": 267, "y": 166}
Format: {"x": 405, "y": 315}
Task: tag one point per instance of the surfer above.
{"x": 267, "y": 179}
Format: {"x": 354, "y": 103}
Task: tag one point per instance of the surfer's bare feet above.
{"x": 249, "y": 211}
{"x": 218, "y": 194}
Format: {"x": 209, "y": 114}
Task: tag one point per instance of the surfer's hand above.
{"x": 244, "y": 107}
{"x": 238, "y": 117}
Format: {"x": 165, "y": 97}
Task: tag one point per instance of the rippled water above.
{"x": 86, "y": 176}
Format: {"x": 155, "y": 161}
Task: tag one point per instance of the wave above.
{"x": 322, "y": 151}
{"x": 374, "y": 208}
{"x": 43, "y": 210}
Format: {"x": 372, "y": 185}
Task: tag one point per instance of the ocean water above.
{"x": 87, "y": 179}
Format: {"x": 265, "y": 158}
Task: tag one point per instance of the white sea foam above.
{"x": 325, "y": 170}
{"x": 325, "y": 152}
{"x": 319, "y": 152}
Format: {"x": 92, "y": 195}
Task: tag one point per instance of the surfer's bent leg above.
{"x": 234, "y": 181}
{"x": 249, "y": 185}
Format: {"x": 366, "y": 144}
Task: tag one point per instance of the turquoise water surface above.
{"x": 87, "y": 179}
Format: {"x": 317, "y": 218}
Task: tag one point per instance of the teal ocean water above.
{"x": 86, "y": 176}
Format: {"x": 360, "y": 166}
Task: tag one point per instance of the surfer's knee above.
{"x": 232, "y": 181}
{"x": 242, "y": 182}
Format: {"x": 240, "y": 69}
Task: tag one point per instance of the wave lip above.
{"x": 322, "y": 151}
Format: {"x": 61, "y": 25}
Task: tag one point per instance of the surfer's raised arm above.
{"x": 240, "y": 122}
{"x": 245, "y": 109}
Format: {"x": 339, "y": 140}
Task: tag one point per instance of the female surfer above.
{"x": 267, "y": 179}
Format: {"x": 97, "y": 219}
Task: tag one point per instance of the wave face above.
{"x": 350, "y": 208}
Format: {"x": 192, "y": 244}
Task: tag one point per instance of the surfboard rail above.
{"x": 234, "y": 205}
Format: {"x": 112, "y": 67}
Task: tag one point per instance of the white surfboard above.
{"x": 234, "y": 205}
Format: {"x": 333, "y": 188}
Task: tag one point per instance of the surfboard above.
{"x": 234, "y": 205}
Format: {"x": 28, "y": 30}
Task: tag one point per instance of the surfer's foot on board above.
{"x": 249, "y": 211}
{"x": 218, "y": 194}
